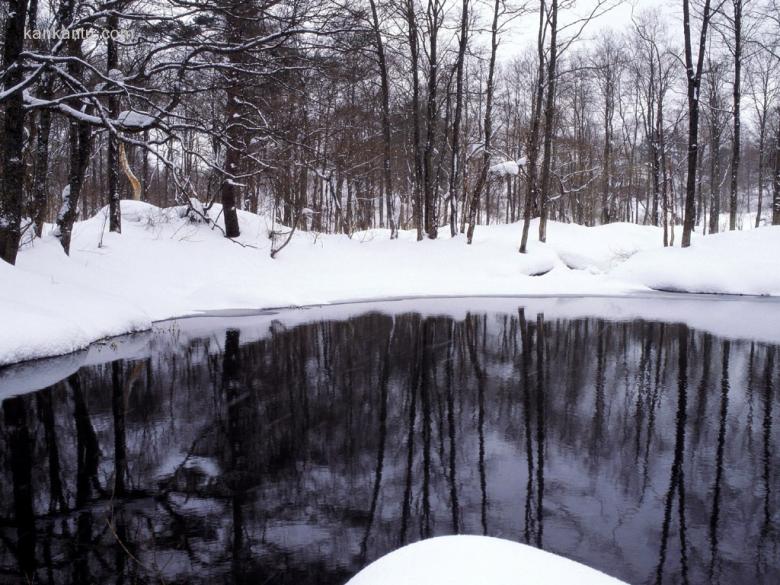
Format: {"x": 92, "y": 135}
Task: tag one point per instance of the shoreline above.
{"x": 165, "y": 267}
{"x": 689, "y": 308}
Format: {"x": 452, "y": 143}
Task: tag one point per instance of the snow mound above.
{"x": 601, "y": 248}
{"x": 728, "y": 263}
{"x": 43, "y": 316}
{"x": 476, "y": 560}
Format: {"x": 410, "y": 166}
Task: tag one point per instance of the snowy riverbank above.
{"x": 164, "y": 266}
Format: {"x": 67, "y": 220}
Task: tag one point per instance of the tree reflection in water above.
{"x": 304, "y": 455}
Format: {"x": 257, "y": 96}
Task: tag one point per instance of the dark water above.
{"x": 297, "y": 454}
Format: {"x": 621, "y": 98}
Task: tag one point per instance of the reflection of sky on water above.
{"x": 296, "y": 447}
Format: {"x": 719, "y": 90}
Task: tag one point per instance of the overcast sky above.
{"x": 522, "y": 32}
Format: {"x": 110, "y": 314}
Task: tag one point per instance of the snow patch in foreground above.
{"x": 472, "y": 560}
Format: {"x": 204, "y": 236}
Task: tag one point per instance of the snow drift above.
{"x": 166, "y": 264}
{"x": 729, "y": 263}
{"x": 468, "y": 560}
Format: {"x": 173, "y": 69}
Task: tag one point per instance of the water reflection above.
{"x": 300, "y": 454}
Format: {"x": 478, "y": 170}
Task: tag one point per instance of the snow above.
{"x": 132, "y": 119}
{"x": 45, "y": 316}
{"x": 116, "y": 76}
{"x": 468, "y": 560}
{"x": 727, "y": 263}
{"x": 165, "y": 265}
{"x": 505, "y": 168}
{"x": 738, "y": 318}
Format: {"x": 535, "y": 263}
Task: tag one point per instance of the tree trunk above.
{"x": 549, "y": 121}
{"x": 431, "y": 120}
{"x": 532, "y": 192}
{"x": 735, "y": 150}
{"x": 79, "y": 146}
{"x": 656, "y": 154}
{"x": 112, "y": 66}
{"x": 715, "y": 132}
{"x": 482, "y": 179}
{"x": 761, "y": 163}
{"x": 417, "y": 204}
{"x": 387, "y": 175}
{"x": 776, "y": 179}
{"x": 455, "y": 161}
{"x": 229, "y": 190}
{"x": 693, "y": 78}
{"x": 40, "y": 194}
{"x": 12, "y": 180}
{"x": 609, "y": 109}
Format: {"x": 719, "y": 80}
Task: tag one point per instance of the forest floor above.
{"x": 164, "y": 266}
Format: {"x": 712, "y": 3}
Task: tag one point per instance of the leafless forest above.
{"x": 406, "y": 114}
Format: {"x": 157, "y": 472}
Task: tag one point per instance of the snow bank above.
{"x": 601, "y": 248}
{"x": 42, "y": 315}
{"x": 728, "y": 263}
{"x": 737, "y": 318}
{"x": 470, "y": 560}
{"x": 165, "y": 264}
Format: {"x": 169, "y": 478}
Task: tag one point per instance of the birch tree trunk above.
{"x": 112, "y": 65}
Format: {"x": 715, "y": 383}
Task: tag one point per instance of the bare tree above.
{"x": 737, "y": 95}
{"x": 434, "y": 18}
{"x": 693, "y": 72}
{"x": 532, "y": 192}
{"x": 79, "y": 138}
{"x": 716, "y": 116}
{"x": 387, "y": 174}
{"x": 488, "y": 125}
{"x": 414, "y": 55}
{"x": 549, "y": 116}
{"x": 776, "y": 175}
{"x": 456, "y": 158}
{"x": 13, "y": 132}
{"x": 760, "y": 73}
{"x": 112, "y": 71}
{"x": 608, "y": 71}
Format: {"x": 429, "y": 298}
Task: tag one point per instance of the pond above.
{"x": 638, "y": 436}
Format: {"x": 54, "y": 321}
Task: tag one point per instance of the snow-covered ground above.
{"x": 164, "y": 266}
{"x": 470, "y": 560}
